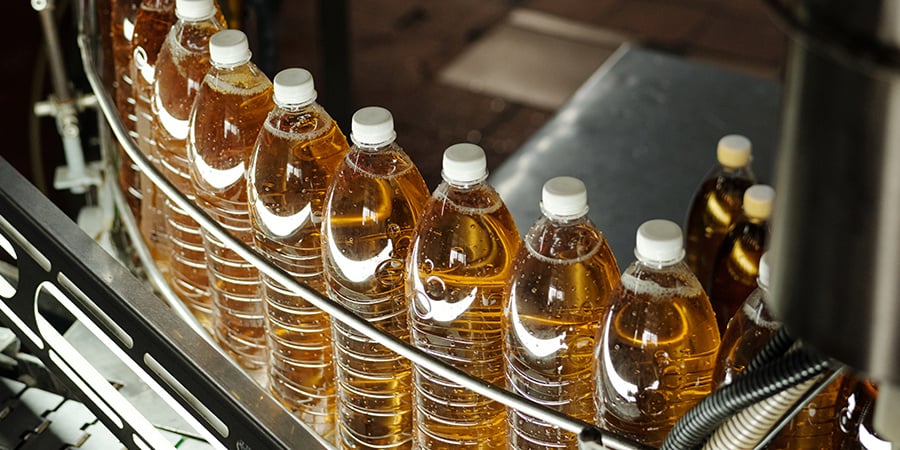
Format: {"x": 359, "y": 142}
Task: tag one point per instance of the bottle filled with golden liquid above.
{"x": 231, "y": 106}
{"x": 716, "y": 204}
{"x": 372, "y": 208}
{"x": 563, "y": 276}
{"x": 151, "y": 26}
{"x": 122, "y": 15}
{"x": 817, "y": 425}
{"x": 456, "y": 281}
{"x": 856, "y": 417}
{"x": 737, "y": 262}
{"x": 657, "y": 346}
{"x": 182, "y": 63}
{"x": 294, "y": 159}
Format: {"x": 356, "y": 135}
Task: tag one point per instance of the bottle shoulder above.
{"x": 667, "y": 281}
{"x": 556, "y": 241}
{"x": 243, "y": 80}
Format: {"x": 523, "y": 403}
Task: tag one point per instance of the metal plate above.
{"x": 641, "y": 133}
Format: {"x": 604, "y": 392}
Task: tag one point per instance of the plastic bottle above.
{"x": 737, "y": 262}
{"x": 857, "y": 415}
{"x": 372, "y": 208}
{"x": 294, "y": 159}
{"x": 716, "y": 204}
{"x": 151, "y": 26}
{"x": 122, "y": 15}
{"x": 748, "y": 331}
{"x": 182, "y": 63}
{"x": 657, "y": 347}
{"x": 816, "y": 426}
{"x": 230, "y": 108}
{"x": 562, "y": 280}
{"x": 456, "y": 281}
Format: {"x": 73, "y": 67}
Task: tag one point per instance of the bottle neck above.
{"x": 657, "y": 264}
{"x": 296, "y": 107}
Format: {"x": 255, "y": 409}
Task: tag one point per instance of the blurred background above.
{"x": 491, "y": 72}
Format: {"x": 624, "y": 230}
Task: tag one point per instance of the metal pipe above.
{"x": 836, "y": 226}
{"x": 334, "y": 309}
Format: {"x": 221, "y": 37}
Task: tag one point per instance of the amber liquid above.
{"x": 152, "y": 24}
{"x": 562, "y": 280}
{"x": 296, "y": 156}
{"x": 457, "y": 276}
{"x": 230, "y": 109}
{"x": 736, "y": 268}
{"x": 123, "y": 15}
{"x": 373, "y": 206}
{"x": 856, "y": 429}
{"x": 715, "y": 206}
{"x": 656, "y": 354}
{"x": 745, "y": 335}
{"x": 817, "y": 425}
{"x": 180, "y": 67}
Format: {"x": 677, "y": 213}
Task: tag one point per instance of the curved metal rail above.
{"x": 586, "y": 431}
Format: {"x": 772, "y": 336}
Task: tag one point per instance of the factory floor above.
{"x": 490, "y": 72}
{"x": 494, "y": 71}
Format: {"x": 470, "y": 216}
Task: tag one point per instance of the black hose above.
{"x": 692, "y": 430}
{"x": 778, "y": 345}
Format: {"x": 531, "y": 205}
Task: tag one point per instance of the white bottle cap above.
{"x": 372, "y": 126}
{"x": 734, "y": 151}
{"x": 758, "y": 201}
{"x": 464, "y": 164}
{"x": 764, "y": 270}
{"x": 564, "y": 197}
{"x": 229, "y": 48}
{"x": 194, "y": 9}
{"x": 659, "y": 241}
{"x": 293, "y": 87}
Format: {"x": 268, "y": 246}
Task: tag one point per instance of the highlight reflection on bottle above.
{"x": 457, "y": 274}
{"x": 657, "y": 347}
{"x": 372, "y": 208}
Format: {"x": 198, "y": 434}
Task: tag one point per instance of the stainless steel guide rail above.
{"x": 591, "y": 436}
{"x": 57, "y": 260}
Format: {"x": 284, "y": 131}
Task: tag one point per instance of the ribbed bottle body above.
{"x": 228, "y": 113}
{"x": 294, "y": 160}
{"x": 457, "y": 275}
{"x": 373, "y": 206}
{"x": 563, "y": 276}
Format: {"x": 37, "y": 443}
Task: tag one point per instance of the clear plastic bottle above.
{"x": 294, "y": 159}
{"x": 817, "y": 425}
{"x": 182, "y": 63}
{"x": 716, "y": 204}
{"x": 856, "y": 417}
{"x": 657, "y": 347}
{"x": 456, "y": 281}
{"x": 563, "y": 276}
{"x": 151, "y": 26}
{"x": 737, "y": 262}
{"x": 748, "y": 331}
{"x": 122, "y": 15}
{"x": 372, "y": 208}
{"x": 230, "y": 108}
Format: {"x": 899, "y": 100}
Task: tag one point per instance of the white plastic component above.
{"x": 659, "y": 241}
{"x": 194, "y": 9}
{"x": 758, "y": 201}
{"x": 294, "y": 87}
{"x": 372, "y": 126}
{"x": 464, "y": 163}
{"x": 229, "y": 48}
{"x": 734, "y": 151}
{"x": 564, "y": 197}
